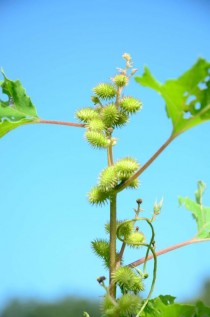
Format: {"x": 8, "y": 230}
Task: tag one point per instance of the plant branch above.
{"x": 146, "y": 165}
{"x": 166, "y": 250}
{"x": 71, "y": 124}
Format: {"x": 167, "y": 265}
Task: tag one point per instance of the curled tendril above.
{"x": 150, "y": 247}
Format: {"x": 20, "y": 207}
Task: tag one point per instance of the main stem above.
{"x": 113, "y": 230}
{"x": 112, "y": 243}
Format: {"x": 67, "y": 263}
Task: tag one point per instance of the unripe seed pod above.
{"x": 105, "y": 91}
{"x": 96, "y": 125}
{"x": 120, "y": 80}
{"x": 97, "y": 197}
{"x": 135, "y": 239}
{"x": 97, "y": 139}
{"x": 87, "y": 114}
{"x": 110, "y": 115}
{"x": 130, "y": 104}
{"x": 122, "y": 119}
{"x": 108, "y": 179}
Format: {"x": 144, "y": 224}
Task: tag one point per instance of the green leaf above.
{"x": 164, "y": 306}
{"x": 187, "y": 98}
{"x": 18, "y": 110}
{"x": 200, "y": 213}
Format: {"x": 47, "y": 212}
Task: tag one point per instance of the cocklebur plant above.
{"x": 111, "y": 110}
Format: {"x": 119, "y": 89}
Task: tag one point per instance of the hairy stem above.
{"x": 112, "y": 243}
{"x": 71, "y": 124}
{"x": 166, "y": 250}
{"x": 146, "y": 165}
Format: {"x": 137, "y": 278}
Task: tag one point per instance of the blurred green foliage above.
{"x": 71, "y": 307}
{"x": 204, "y": 295}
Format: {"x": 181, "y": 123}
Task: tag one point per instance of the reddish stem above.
{"x": 71, "y": 124}
{"x": 147, "y": 164}
{"x": 166, "y": 250}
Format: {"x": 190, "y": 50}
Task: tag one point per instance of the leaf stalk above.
{"x": 146, "y": 165}
{"x": 166, "y": 250}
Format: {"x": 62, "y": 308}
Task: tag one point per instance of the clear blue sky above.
{"x": 60, "y": 50}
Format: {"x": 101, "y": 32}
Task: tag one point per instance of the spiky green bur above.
{"x": 128, "y": 280}
{"x": 119, "y": 223}
{"x": 97, "y": 139}
{"x": 87, "y": 114}
{"x": 108, "y": 179}
{"x": 126, "y": 167}
{"x": 128, "y": 305}
{"x": 110, "y": 115}
{"x": 130, "y": 105}
{"x": 101, "y": 249}
{"x": 111, "y": 176}
{"x": 105, "y": 91}
{"x": 109, "y": 307}
{"x": 125, "y": 229}
{"x": 135, "y": 239}
{"x": 98, "y": 197}
{"x": 120, "y": 80}
{"x": 96, "y": 125}
{"x": 121, "y": 120}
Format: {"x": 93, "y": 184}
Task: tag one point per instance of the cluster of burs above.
{"x": 110, "y": 111}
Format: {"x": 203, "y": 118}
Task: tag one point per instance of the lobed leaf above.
{"x": 164, "y": 306}
{"x": 187, "y": 97}
{"x": 18, "y": 109}
{"x": 200, "y": 213}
